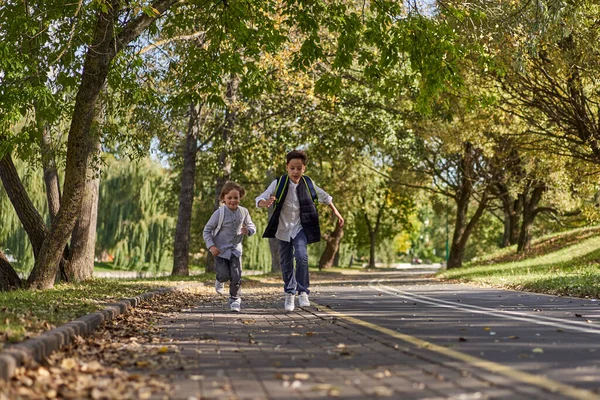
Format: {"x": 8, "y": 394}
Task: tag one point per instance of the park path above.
{"x": 345, "y": 345}
{"x": 393, "y": 333}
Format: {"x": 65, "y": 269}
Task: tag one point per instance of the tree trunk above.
{"x": 83, "y": 241}
{"x": 50, "y": 171}
{"x": 517, "y": 214}
{"x": 29, "y": 216}
{"x": 512, "y": 209}
{"x": 336, "y": 258}
{"x": 525, "y": 235}
{"x": 372, "y": 243}
{"x": 530, "y": 211}
{"x": 373, "y": 230}
{"x": 80, "y": 145}
{"x": 224, "y": 157}
{"x": 331, "y": 249}
{"x": 457, "y": 246}
{"x": 464, "y": 193}
{"x": 186, "y": 198}
{"x": 459, "y": 243}
{"x": 9, "y": 280}
{"x": 100, "y": 53}
{"x": 507, "y": 229}
{"x": 507, "y": 210}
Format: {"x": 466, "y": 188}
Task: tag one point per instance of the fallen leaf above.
{"x": 383, "y": 391}
{"x": 68, "y": 364}
{"x": 537, "y": 350}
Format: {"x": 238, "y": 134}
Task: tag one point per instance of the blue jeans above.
{"x": 230, "y": 270}
{"x": 294, "y": 281}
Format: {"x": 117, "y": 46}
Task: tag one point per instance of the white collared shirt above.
{"x": 289, "y": 219}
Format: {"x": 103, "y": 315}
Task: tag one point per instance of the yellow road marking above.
{"x": 536, "y": 380}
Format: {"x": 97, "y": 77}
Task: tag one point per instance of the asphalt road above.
{"x": 530, "y": 339}
{"x": 394, "y": 334}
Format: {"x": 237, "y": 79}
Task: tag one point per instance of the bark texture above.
{"x": 181, "y": 246}
{"x": 100, "y": 53}
{"x": 332, "y": 240}
{"x": 50, "y": 171}
{"x": 29, "y": 216}
{"x": 83, "y": 241}
{"x": 530, "y": 211}
{"x": 464, "y": 195}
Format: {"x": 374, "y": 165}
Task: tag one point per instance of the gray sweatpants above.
{"x": 230, "y": 270}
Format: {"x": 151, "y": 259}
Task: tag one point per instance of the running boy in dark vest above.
{"x": 295, "y": 223}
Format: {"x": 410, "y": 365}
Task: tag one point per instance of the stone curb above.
{"x": 40, "y": 347}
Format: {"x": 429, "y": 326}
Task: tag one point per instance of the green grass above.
{"x": 26, "y": 313}
{"x": 572, "y": 270}
{"x": 104, "y": 267}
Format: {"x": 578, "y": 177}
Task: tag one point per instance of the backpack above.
{"x": 222, "y": 216}
{"x": 282, "y": 182}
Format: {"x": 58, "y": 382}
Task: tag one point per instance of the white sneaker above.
{"x": 289, "y": 301}
{"x": 303, "y": 300}
{"x": 219, "y": 287}
{"x": 235, "y": 305}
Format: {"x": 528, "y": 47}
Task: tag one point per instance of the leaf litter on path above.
{"x": 116, "y": 362}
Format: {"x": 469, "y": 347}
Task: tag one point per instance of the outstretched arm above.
{"x": 266, "y": 199}
{"x": 337, "y": 213}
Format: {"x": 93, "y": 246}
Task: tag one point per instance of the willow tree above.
{"x": 135, "y": 219}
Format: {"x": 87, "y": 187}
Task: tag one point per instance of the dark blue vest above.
{"x": 309, "y": 217}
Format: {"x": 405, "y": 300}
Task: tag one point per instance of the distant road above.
{"x": 145, "y": 274}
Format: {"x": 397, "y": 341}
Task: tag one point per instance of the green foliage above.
{"x": 257, "y": 254}
{"x": 134, "y": 223}
{"x": 377, "y": 208}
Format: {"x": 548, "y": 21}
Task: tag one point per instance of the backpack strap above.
{"x": 244, "y": 212}
{"x": 282, "y": 182}
{"x": 311, "y": 188}
{"x": 220, "y": 223}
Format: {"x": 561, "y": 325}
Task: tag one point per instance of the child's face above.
{"x": 295, "y": 168}
{"x": 232, "y": 199}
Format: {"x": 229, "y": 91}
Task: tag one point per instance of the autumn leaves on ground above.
{"x": 96, "y": 367}
{"x": 120, "y": 361}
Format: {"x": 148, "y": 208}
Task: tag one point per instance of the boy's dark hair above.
{"x": 296, "y": 154}
{"x": 229, "y": 186}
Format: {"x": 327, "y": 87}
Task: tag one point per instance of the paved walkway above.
{"x": 265, "y": 353}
